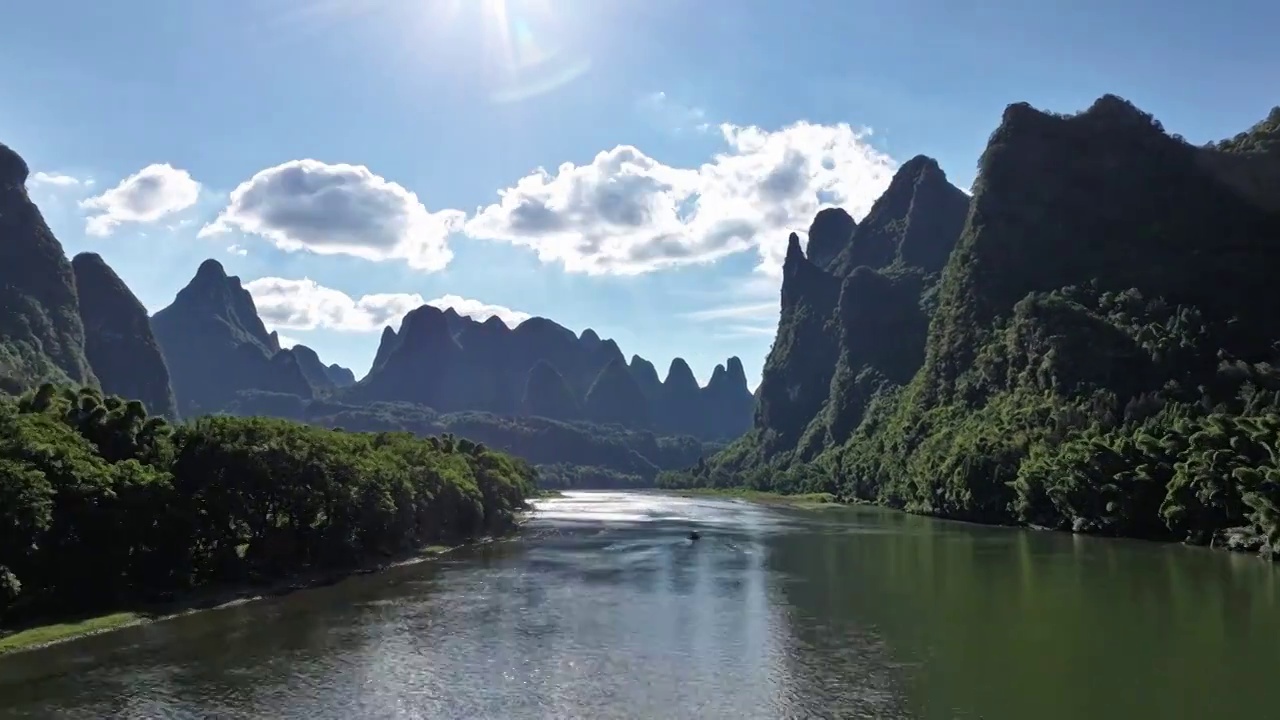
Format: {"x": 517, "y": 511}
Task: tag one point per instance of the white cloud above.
{"x": 286, "y": 341}
{"x": 339, "y": 210}
{"x": 306, "y": 305}
{"x": 54, "y": 179}
{"x": 761, "y": 310}
{"x": 736, "y": 332}
{"x": 626, "y": 213}
{"x": 237, "y": 250}
{"x": 734, "y": 322}
{"x": 146, "y": 196}
{"x": 478, "y": 310}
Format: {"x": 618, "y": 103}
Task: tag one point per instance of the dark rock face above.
{"x": 119, "y": 342}
{"x": 388, "y": 342}
{"x": 547, "y": 395}
{"x": 852, "y": 316}
{"x": 914, "y": 224}
{"x": 41, "y": 333}
{"x": 340, "y": 377}
{"x": 215, "y": 345}
{"x": 727, "y": 403}
{"x": 829, "y": 234}
{"x": 797, "y": 372}
{"x": 615, "y": 397}
{"x": 1033, "y": 231}
{"x": 321, "y": 377}
{"x": 541, "y": 368}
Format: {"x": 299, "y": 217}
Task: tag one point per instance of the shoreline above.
{"x": 1230, "y": 540}
{"x": 807, "y": 501}
{"x": 46, "y": 634}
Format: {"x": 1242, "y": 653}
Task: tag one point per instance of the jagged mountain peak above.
{"x": 645, "y": 373}
{"x": 495, "y": 323}
{"x": 918, "y": 166}
{"x": 319, "y": 375}
{"x": 542, "y": 326}
{"x": 13, "y": 169}
{"x": 831, "y": 230}
{"x": 680, "y": 375}
{"x": 914, "y": 223}
{"x": 41, "y": 333}
{"x": 89, "y": 259}
{"x": 1117, "y": 110}
{"x": 119, "y": 342}
{"x": 425, "y": 321}
{"x": 794, "y": 254}
{"x": 737, "y": 373}
{"x": 210, "y": 269}
{"x": 341, "y": 376}
{"x": 216, "y": 344}
{"x": 718, "y": 376}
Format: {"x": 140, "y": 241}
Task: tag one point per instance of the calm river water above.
{"x": 605, "y": 610}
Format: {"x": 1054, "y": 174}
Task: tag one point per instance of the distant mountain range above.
{"x": 76, "y": 322}
{"x": 217, "y": 347}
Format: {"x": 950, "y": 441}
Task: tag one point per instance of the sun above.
{"x": 526, "y": 39}
{"x": 516, "y": 49}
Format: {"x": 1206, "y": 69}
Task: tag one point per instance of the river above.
{"x": 603, "y": 609}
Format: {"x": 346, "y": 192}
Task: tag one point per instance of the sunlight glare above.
{"x": 531, "y": 62}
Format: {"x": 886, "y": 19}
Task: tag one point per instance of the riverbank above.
{"x": 36, "y": 636}
{"x": 807, "y": 500}
{"x": 1235, "y": 540}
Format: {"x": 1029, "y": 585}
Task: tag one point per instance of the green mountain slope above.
{"x": 41, "y": 333}
{"x": 118, "y": 340}
{"x": 1103, "y": 349}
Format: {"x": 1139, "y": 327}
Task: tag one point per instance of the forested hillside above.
{"x": 102, "y": 506}
{"x": 1100, "y": 352}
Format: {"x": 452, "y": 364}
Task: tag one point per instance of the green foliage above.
{"x": 1101, "y": 356}
{"x": 41, "y": 334}
{"x": 101, "y": 504}
{"x": 562, "y": 476}
{"x": 538, "y": 440}
{"x": 1261, "y": 138}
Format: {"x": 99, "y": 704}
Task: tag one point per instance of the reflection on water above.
{"x": 605, "y": 610}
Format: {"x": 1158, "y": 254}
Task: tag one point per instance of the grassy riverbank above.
{"x": 40, "y": 634}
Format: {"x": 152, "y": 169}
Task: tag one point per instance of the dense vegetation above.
{"x": 102, "y": 505}
{"x": 41, "y": 334}
{"x": 604, "y": 451}
{"x": 1101, "y": 353}
{"x": 563, "y": 476}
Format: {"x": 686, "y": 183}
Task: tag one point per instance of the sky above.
{"x": 630, "y": 166}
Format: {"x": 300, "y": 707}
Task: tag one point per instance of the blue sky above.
{"x": 350, "y": 159}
